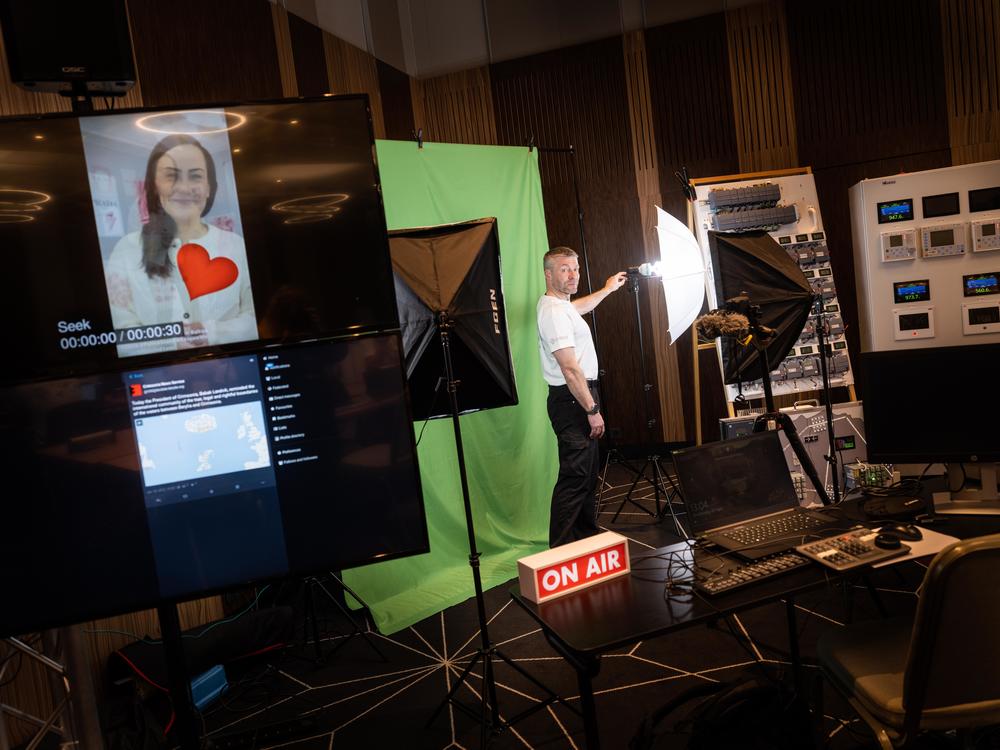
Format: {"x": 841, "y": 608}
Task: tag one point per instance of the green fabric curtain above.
{"x": 510, "y": 453}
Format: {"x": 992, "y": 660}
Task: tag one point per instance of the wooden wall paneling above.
{"x": 455, "y": 108}
{"x": 283, "y": 48}
{"x": 647, "y": 177}
{"x": 870, "y": 102}
{"x": 692, "y": 101}
{"x": 577, "y": 97}
{"x": 970, "y": 31}
{"x": 309, "y": 55}
{"x": 397, "y": 104}
{"x": 694, "y": 124}
{"x": 868, "y": 79}
{"x": 352, "y": 71}
{"x": 763, "y": 103}
{"x": 212, "y": 60}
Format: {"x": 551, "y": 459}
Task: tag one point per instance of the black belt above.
{"x": 591, "y": 383}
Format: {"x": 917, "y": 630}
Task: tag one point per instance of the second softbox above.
{"x": 754, "y": 263}
{"x": 450, "y": 274}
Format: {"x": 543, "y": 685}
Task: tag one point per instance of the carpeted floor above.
{"x": 353, "y": 698}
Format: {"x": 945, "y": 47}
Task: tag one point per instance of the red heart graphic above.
{"x": 203, "y": 275}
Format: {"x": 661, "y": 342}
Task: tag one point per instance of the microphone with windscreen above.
{"x": 716, "y": 323}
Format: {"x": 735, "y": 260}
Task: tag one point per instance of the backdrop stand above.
{"x": 489, "y": 710}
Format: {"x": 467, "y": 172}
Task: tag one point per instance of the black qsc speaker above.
{"x": 50, "y": 45}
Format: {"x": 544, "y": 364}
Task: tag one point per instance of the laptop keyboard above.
{"x": 772, "y": 528}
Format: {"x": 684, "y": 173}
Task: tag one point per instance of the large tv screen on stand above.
{"x": 204, "y": 381}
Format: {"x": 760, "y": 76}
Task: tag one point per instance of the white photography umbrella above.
{"x": 682, "y": 271}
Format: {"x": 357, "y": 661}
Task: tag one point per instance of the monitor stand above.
{"x": 983, "y": 499}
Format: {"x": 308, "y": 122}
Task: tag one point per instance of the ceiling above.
{"x": 433, "y": 37}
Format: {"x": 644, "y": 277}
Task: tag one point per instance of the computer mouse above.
{"x": 906, "y": 531}
{"x": 888, "y": 541}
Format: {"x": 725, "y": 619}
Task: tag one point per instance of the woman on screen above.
{"x": 177, "y": 268}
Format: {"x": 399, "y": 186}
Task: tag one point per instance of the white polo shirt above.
{"x": 560, "y": 326}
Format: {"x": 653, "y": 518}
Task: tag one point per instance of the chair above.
{"x": 940, "y": 669}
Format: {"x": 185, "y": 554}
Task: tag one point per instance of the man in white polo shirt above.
{"x": 569, "y": 365}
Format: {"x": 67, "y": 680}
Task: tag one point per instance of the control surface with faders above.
{"x": 849, "y": 550}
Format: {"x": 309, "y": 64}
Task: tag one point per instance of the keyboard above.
{"x": 848, "y": 550}
{"x": 764, "y": 530}
{"x": 744, "y": 575}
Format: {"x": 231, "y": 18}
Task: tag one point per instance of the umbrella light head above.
{"x": 681, "y": 269}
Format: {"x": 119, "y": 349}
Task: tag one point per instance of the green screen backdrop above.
{"x": 510, "y": 453}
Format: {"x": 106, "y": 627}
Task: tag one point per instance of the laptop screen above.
{"x": 734, "y": 480}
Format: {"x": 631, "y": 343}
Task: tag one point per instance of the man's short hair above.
{"x": 557, "y": 252}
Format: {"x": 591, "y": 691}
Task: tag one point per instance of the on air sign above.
{"x": 573, "y": 566}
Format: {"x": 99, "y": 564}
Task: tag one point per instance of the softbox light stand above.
{"x": 821, "y": 340}
{"x": 772, "y": 418}
{"x": 768, "y": 286}
{"x": 448, "y": 285}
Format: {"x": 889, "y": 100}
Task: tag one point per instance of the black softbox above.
{"x": 454, "y": 269}
{"x": 754, "y": 263}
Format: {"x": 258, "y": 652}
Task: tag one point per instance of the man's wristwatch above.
{"x": 594, "y": 409}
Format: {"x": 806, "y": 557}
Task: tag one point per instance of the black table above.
{"x": 586, "y": 624}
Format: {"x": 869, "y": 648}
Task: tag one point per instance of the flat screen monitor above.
{"x": 170, "y": 481}
{"x": 132, "y": 237}
{"x": 931, "y": 405}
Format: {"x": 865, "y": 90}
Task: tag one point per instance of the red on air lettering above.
{"x": 580, "y": 571}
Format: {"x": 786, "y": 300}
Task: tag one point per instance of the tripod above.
{"x": 489, "y": 711}
{"x": 652, "y": 463}
{"x": 312, "y": 621}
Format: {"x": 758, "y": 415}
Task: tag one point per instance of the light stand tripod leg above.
{"x": 628, "y": 495}
{"x": 668, "y": 499}
{"x": 489, "y": 715}
{"x": 603, "y": 477}
{"x": 311, "y": 620}
{"x": 356, "y": 630}
{"x": 825, "y": 372}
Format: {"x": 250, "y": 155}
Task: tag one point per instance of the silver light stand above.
{"x": 652, "y": 462}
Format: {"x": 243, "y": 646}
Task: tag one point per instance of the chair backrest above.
{"x": 954, "y": 657}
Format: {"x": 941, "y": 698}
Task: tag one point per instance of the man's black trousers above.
{"x": 574, "y": 504}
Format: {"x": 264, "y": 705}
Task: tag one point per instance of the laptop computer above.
{"x": 739, "y": 495}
